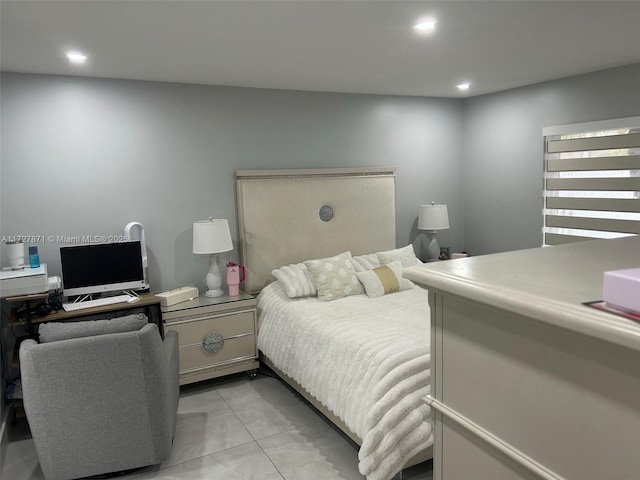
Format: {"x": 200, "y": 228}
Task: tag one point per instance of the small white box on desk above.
{"x": 27, "y": 281}
{"x": 621, "y": 289}
{"x": 178, "y": 295}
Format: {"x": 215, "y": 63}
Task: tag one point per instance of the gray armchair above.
{"x": 100, "y": 396}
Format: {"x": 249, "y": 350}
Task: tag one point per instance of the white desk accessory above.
{"x": 143, "y": 247}
{"x": 177, "y": 295}
{"x": 24, "y": 282}
{"x": 98, "y": 302}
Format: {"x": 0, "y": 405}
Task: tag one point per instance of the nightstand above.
{"x": 217, "y": 336}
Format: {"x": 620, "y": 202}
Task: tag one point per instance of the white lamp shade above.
{"x": 211, "y": 236}
{"x": 433, "y": 217}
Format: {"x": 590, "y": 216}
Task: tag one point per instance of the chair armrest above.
{"x": 173, "y": 362}
{"x": 171, "y": 349}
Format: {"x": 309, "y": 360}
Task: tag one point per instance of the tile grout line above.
{"x": 255, "y": 440}
{"x": 300, "y": 397}
{"x": 219, "y": 451}
{"x": 271, "y": 461}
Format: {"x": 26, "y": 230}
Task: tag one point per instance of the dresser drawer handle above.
{"x": 213, "y": 342}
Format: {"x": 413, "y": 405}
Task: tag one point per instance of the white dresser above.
{"x": 527, "y": 382}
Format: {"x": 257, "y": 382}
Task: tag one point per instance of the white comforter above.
{"x": 367, "y": 360}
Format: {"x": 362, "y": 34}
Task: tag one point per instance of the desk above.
{"x": 148, "y": 301}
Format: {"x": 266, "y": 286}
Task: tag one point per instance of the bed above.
{"x": 363, "y": 362}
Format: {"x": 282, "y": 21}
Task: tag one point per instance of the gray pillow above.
{"x": 55, "y": 331}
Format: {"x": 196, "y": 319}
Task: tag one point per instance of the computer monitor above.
{"x": 101, "y": 268}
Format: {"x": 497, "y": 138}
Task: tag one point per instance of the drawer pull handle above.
{"x": 213, "y": 342}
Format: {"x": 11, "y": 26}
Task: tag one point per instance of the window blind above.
{"x": 591, "y": 181}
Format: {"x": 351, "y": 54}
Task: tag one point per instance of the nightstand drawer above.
{"x": 195, "y": 356}
{"x": 194, "y": 332}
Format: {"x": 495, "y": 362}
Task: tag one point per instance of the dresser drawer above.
{"x": 196, "y": 356}
{"x": 194, "y": 332}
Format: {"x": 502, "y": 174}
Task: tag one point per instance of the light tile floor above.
{"x": 237, "y": 428}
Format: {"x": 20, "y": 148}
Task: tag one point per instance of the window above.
{"x": 591, "y": 181}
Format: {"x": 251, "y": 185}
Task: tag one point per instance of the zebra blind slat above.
{"x": 592, "y": 181}
{"x": 600, "y": 204}
{"x": 597, "y": 184}
{"x": 594, "y": 163}
{"x": 559, "y": 239}
{"x": 594, "y": 143}
{"x": 600, "y": 224}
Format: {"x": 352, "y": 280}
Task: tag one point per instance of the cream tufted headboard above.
{"x": 288, "y": 216}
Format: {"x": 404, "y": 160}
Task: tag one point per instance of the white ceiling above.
{"x": 336, "y": 46}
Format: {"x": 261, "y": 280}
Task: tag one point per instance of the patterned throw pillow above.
{"x": 362, "y": 263}
{"x": 404, "y": 255}
{"x": 334, "y": 277}
{"x": 383, "y": 280}
{"x": 295, "y": 280}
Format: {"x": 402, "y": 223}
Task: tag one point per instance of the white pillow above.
{"x": 295, "y": 280}
{"x": 384, "y": 279}
{"x": 405, "y": 255}
{"x": 362, "y": 263}
{"x": 334, "y": 277}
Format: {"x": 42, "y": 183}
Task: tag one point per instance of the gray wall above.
{"x": 503, "y": 150}
{"x": 84, "y": 156}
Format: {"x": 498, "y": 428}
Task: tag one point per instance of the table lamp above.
{"x": 433, "y": 218}
{"x": 211, "y": 237}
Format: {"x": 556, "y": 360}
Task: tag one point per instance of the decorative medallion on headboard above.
{"x": 326, "y": 213}
{"x": 288, "y": 216}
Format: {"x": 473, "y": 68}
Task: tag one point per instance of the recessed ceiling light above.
{"x": 427, "y": 25}
{"x": 76, "y": 57}
{"x": 463, "y": 86}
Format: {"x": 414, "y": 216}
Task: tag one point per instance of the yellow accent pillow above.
{"x": 383, "y": 280}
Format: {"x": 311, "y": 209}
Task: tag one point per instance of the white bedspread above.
{"x": 367, "y": 360}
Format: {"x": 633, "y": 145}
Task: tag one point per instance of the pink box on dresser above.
{"x": 621, "y": 289}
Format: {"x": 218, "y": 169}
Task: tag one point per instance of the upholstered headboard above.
{"x": 288, "y": 216}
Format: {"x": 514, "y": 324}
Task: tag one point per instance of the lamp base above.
{"x": 433, "y": 249}
{"x": 214, "y": 279}
{"x": 214, "y": 293}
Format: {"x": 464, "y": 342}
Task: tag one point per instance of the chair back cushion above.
{"x": 56, "y": 331}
